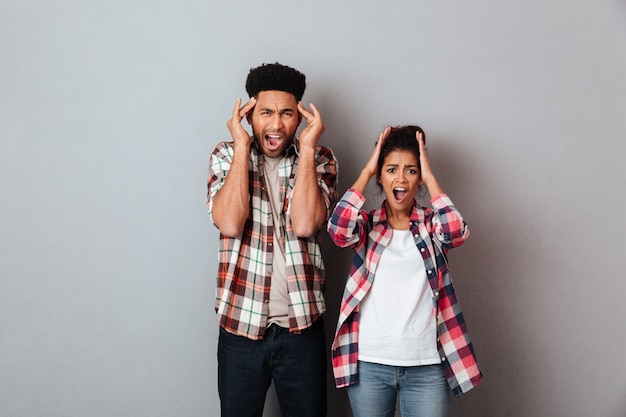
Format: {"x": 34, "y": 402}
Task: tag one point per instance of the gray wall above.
{"x": 108, "y": 113}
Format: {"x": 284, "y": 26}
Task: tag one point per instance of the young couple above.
{"x": 400, "y": 332}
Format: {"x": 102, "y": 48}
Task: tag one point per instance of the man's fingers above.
{"x": 236, "y": 108}
{"x": 305, "y": 112}
{"x": 246, "y": 107}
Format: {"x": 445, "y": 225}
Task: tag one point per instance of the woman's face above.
{"x": 400, "y": 178}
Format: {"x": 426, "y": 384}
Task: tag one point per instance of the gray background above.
{"x": 108, "y": 113}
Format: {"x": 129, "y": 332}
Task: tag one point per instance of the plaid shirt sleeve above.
{"x": 219, "y": 165}
{"x": 448, "y": 226}
{"x": 326, "y": 170}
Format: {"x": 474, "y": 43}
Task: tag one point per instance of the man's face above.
{"x": 274, "y": 120}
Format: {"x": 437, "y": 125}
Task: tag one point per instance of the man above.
{"x": 269, "y": 195}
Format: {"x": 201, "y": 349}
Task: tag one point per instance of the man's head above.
{"x": 275, "y": 117}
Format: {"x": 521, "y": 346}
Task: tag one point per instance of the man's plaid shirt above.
{"x": 435, "y": 231}
{"x": 245, "y": 262}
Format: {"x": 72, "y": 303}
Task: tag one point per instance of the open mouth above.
{"x": 399, "y": 194}
{"x": 273, "y": 141}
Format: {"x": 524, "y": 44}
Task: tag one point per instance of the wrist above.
{"x": 306, "y": 151}
{"x": 368, "y": 173}
{"x": 241, "y": 146}
{"x": 306, "y": 147}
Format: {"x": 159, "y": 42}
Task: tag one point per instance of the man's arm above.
{"x": 308, "y": 205}
{"x": 231, "y": 204}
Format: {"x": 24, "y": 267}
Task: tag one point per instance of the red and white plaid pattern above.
{"x": 245, "y": 262}
{"x": 436, "y": 230}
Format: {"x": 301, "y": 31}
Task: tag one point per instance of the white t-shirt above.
{"x": 397, "y": 324}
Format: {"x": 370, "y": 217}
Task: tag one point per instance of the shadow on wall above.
{"x": 492, "y": 303}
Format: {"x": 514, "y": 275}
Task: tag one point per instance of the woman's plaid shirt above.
{"x": 435, "y": 231}
{"x": 245, "y": 262}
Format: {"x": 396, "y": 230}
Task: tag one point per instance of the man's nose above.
{"x": 276, "y": 121}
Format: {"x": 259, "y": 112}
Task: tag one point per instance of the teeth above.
{"x": 399, "y": 193}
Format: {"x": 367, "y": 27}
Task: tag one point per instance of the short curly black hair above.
{"x": 275, "y": 77}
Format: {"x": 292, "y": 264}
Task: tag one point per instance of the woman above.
{"x": 400, "y": 331}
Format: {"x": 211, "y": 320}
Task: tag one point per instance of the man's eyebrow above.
{"x": 273, "y": 110}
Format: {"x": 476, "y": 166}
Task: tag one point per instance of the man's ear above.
{"x": 249, "y": 117}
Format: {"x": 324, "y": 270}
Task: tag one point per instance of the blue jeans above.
{"x": 423, "y": 391}
{"x": 295, "y": 362}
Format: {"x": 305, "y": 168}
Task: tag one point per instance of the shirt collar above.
{"x": 418, "y": 214}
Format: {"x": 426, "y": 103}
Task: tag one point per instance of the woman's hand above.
{"x": 372, "y": 164}
{"x": 427, "y": 176}
{"x": 371, "y": 167}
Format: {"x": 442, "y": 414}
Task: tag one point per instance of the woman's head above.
{"x": 398, "y": 170}
{"x": 400, "y": 138}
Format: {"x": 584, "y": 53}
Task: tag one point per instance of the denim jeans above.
{"x": 296, "y": 363}
{"x": 422, "y": 390}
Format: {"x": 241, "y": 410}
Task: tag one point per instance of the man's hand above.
{"x": 314, "y": 126}
{"x": 239, "y": 134}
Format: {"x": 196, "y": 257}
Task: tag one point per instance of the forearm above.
{"x": 433, "y": 186}
{"x": 449, "y": 227}
{"x": 345, "y": 223}
{"x": 361, "y": 182}
{"x": 231, "y": 204}
{"x": 308, "y": 206}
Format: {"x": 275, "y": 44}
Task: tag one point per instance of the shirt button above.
{"x": 430, "y": 271}
{"x": 436, "y": 293}
{"x": 270, "y": 244}
{"x": 422, "y": 250}
{"x": 443, "y": 359}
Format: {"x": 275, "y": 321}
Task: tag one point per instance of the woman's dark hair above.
{"x": 400, "y": 138}
{"x": 275, "y": 77}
